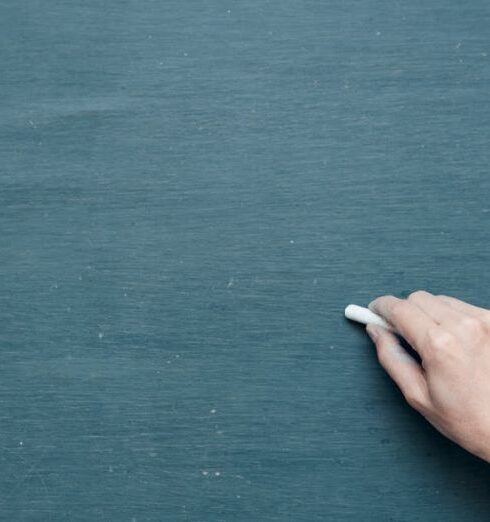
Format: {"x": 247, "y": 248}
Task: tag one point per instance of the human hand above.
{"x": 451, "y": 386}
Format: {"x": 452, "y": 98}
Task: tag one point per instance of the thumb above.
{"x": 401, "y": 367}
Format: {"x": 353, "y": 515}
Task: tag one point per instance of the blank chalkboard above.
{"x": 190, "y": 193}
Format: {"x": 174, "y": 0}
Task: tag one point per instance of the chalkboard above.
{"x": 190, "y": 193}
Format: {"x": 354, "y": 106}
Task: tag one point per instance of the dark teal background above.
{"x": 190, "y": 193}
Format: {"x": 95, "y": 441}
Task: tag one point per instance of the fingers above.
{"x": 401, "y": 367}
{"x": 407, "y": 318}
{"x": 463, "y": 320}
{"x": 465, "y": 308}
{"x": 436, "y": 308}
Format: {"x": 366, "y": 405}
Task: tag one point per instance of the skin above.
{"x": 451, "y": 387}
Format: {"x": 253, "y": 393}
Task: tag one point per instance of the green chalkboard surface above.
{"x": 190, "y": 193}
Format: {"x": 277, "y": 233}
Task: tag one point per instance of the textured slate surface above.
{"x": 190, "y": 193}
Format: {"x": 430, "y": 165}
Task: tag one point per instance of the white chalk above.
{"x": 365, "y": 316}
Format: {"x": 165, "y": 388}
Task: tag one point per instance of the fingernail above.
{"x": 372, "y": 332}
{"x": 372, "y": 305}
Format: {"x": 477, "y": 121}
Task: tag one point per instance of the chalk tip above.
{"x": 352, "y": 309}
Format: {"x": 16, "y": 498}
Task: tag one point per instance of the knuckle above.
{"x": 417, "y": 295}
{"x": 398, "y": 308}
{"x": 440, "y": 340}
{"x": 413, "y": 398}
{"x": 472, "y": 325}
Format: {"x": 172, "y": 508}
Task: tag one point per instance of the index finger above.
{"x": 409, "y": 320}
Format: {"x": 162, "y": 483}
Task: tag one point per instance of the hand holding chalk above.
{"x": 365, "y": 316}
{"x": 449, "y": 380}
